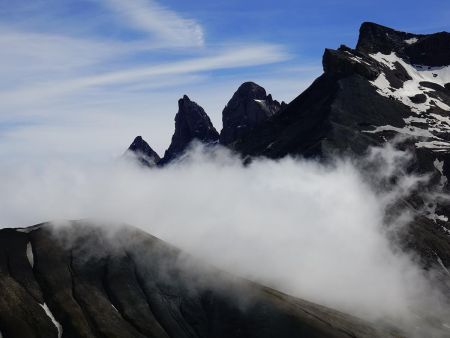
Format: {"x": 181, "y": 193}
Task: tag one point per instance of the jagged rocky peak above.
{"x": 248, "y": 107}
{"x": 191, "y": 123}
{"x": 143, "y": 152}
{"x": 374, "y": 38}
{"x": 420, "y": 49}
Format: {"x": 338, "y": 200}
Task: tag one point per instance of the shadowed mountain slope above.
{"x": 123, "y": 283}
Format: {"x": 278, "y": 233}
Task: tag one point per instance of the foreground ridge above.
{"x": 85, "y": 282}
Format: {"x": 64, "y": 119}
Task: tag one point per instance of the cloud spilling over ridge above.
{"x": 312, "y": 230}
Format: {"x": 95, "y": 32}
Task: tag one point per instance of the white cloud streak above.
{"x": 235, "y": 58}
{"x": 164, "y": 24}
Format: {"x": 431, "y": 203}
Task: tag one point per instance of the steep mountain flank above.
{"x": 81, "y": 280}
{"x": 394, "y": 84}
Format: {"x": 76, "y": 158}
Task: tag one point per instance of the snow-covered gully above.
{"x": 52, "y": 318}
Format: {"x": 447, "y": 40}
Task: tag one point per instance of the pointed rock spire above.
{"x": 248, "y": 107}
{"x": 191, "y": 123}
{"x": 143, "y": 152}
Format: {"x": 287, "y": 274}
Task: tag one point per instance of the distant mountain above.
{"x": 191, "y": 123}
{"x": 143, "y": 152}
{"x": 248, "y": 108}
{"x": 82, "y": 281}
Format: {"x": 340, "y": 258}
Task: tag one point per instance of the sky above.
{"x": 82, "y": 78}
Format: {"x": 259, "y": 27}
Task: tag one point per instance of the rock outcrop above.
{"x": 191, "y": 123}
{"x": 248, "y": 108}
{"x": 143, "y": 152}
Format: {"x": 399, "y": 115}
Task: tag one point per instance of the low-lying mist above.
{"x": 316, "y": 231}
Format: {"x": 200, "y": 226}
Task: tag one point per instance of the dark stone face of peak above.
{"x": 346, "y": 61}
{"x": 374, "y": 38}
{"x": 191, "y": 123}
{"x": 249, "y": 107}
{"x": 430, "y": 49}
{"x": 143, "y": 152}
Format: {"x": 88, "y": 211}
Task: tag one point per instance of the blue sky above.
{"x": 81, "y": 78}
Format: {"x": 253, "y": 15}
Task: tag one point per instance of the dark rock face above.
{"x": 131, "y": 284}
{"x": 143, "y": 152}
{"x": 249, "y": 107}
{"x": 431, "y": 50}
{"x": 191, "y": 123}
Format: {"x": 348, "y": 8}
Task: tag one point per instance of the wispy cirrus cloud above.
{"x": 163, "y": 24}
{"x": 248, "y": 56}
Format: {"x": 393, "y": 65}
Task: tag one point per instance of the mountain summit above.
{"x": 143, "y": 152}
{"x": 191, "y": 123}
{"x": 249, "y": 107}
{"x": 420, "y": 49}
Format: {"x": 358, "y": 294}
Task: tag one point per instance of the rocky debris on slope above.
{"x": 125, "y": 283}
{"x": 143, "y": 152}
{"x": 249, "y": 106}
{"x": 191, "y": 123}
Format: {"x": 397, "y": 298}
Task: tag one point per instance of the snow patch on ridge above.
{"x": 54, "y": 321}
{"x": 437, "y": 75}
{"x": 411, "y": 41}
{"x": 357, "y": 58}
{"x": 409, "y": 130}
{"x": 30, "y": 255}
{"x": 436, "y": 146}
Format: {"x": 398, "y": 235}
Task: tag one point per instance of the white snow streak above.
{"x": 54, "y": 321}
{"x": 411, "y": 41}
{"x": 30, "y": 255}
{"x": 436, "y": 146}
{"x": 356, "y": 58}
{"x": 442, "y": 264}
{"x": 439, "y": 165}
{"x": 409, "y": 130}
